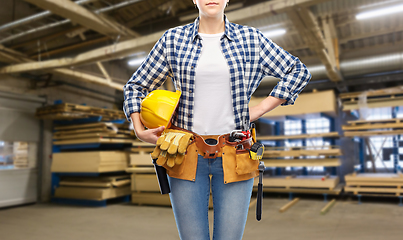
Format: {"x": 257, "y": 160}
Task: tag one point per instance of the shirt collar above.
{"x": 229, "y": 31}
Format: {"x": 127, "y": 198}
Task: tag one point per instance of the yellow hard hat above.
{"x": 158, "y": 107}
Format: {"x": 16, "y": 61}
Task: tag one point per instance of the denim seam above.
{"x": 208, "y": 201}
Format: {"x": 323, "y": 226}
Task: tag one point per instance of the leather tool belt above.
{"x": 210, "y": 146}
{"x": 236, "y": 162}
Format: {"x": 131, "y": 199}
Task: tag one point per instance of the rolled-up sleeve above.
{"x": 291, "y": 72}
{"x": 151, "y": 74}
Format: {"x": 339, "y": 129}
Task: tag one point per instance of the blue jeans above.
{"x": 190, "y": 202}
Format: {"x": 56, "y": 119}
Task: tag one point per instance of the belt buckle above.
{"x": 211, "y": 142}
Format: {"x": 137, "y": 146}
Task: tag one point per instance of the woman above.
{"x": 217, "y": 65}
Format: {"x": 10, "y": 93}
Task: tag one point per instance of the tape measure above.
{"x": 256, "y": 151}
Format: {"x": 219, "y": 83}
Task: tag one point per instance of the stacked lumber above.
{"x": 301, "y": 184}
{"x": 300, "y": 136}
{"x": 374, "y": 184}
{"x": 144, "y": 182}
{"x": 302, "y": 156}
{"x": 20, "y": 154}
{"x": 89, "y": 162}
{"x": 93, "y": 188}
{"x": 388, "y": 97}
{"x": 68, "y": 111}
{"x": 384, "y": 127}
{"x": 99, "y": 132}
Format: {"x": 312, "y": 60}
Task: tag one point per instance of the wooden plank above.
{"x": 91, "y": 125}
{"x": 378, "y": 184}
{"x": 151, "y": 199}
{"x": 301, "y": 136}
{"x": 335, "y": 191}
{"x": 303, "y": 106}
{"x": 144, "y": 183}
{"x": 92, "y": 161}
{"x": 372, "y": 190}
{"x": 372, "y": 133}
{"x": 298, "y": 182}
{"x": 372, "y": 126}
{"x": 91, "y": 193}
{"x": 288, "y": 205}
{"x": 373, "y": 93}
{"x": 328, "y": 207}
{"x": 378, "y": 103}
{"x": 298, "y": 153}
{"x": 92, "y": 140}
{"x": 90, "y": 135}
{"x": 140, "y": 170}
{"x": 392, "y": 120}
{"x": 325, "y": 162}
{"x": 375, "y": 177}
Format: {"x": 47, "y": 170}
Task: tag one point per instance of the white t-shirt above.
{"x": 213, "y": 110}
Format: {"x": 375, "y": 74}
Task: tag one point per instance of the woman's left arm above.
{"x": 264, "y": 106}
{"x": 293, "y": 74}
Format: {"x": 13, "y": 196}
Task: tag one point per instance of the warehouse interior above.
{"x": 72, "y": 168}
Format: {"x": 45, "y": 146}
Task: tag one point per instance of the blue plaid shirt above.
{"x": 250, "y": 56}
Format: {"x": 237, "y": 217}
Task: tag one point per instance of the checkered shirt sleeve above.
{"x": 151, "y": 74}
{"x": 277, "y": 62}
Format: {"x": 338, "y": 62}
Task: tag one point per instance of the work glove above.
{"x": 171, "y": 147}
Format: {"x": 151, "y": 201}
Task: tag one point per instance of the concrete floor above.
{"x": 346, "y": 220}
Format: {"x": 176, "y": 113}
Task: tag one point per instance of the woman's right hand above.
{"x": 145, "y": 135}
{"x": 150, "y": 135}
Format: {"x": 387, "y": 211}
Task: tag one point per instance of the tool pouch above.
{"x": 244, "y": 164}
{"x": 237, "y": 164}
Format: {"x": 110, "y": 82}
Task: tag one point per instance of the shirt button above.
{"x": 192, "y": 67}
{"x": 190, "y": 91}
{"x": 189, "y": 114}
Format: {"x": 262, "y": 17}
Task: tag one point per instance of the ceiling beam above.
{"x": 84, "y": 17}
{"x": 129, "y": 47}
{"x": 11, "y": 56}
{"x": 331, "y": 41}
{"x": 305, "y": 22}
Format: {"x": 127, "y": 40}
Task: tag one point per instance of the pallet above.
{"x": 335, "y": 191}
{"x": 384, "y": 127}
{"x": 324, "y": 162}
{"x": 388, "y": 97}
{"x": 301, "y": 136}
{"x": 300, "y": 182}
{"x": 87, "y": 193}
{"x": 374, "y": 184}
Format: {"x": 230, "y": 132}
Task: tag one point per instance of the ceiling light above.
{"x": 136, "y": 61}
{"x": 273, "y": 33}
{"x": 379, "y": 12}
